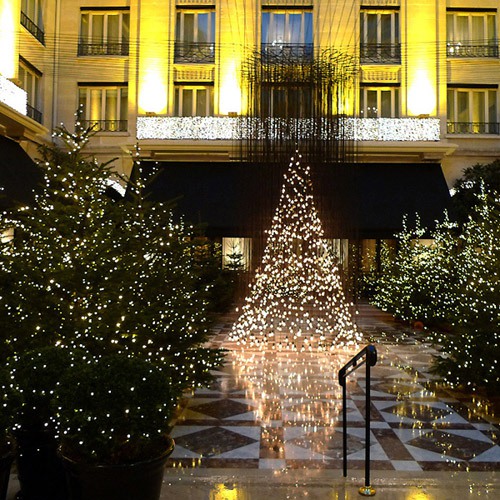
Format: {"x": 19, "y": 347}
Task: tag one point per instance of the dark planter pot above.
{"x": 5, "y": 463}
{"x": 40, "y": 470}
{"x": 136, "y": 481}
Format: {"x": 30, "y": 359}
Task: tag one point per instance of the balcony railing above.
{"x": 283, "y": 52}
{"x": 380, "y": 53}
{"x": 34, "y": 113}
{"x": 103, "y": 49}
{"x": 33, "y": 28}
{"x": 473, "y": 128}
{"x": 229, "y": 128}
{"x": 194, "y": 52}
{"x": 106, "y": 125}
{"x": 472, "y": 49}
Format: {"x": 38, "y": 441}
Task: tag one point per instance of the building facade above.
{"x": 169, "y": 75}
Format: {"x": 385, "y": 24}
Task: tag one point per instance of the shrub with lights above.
{"x": 454, "y": 280}
{"x": 86, "y": 270}
{"x": 115, "y": 410}
{"x": 9, "y": 398}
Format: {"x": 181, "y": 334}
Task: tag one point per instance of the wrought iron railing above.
{"x": 106, "y": 125}
{"x": 380, "y": 53}
{"x": 367, "y": 357}
{"x": 194, "y": 52}
{"x": 293, "y": 52}
{"x": 103, "y": 49}
{"x": 472, "y": 49}
{"x": 473, "y": 128}
{"x": 34, "y": 113}
{"x": 33, "y": 28}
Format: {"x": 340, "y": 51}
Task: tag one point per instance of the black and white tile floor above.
{"x": 282, "y": 410}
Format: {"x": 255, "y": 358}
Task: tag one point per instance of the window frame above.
{"x": 195, "y": 51}
{"x": 179, "y": 97}
{"x": 380, "y": 51}
{"x": 34, "y": 94}
{"x": 490, "y": 124}
{"x": 119, "y": 124}
{"x": 365, "y": 111}
{"x": 87, "y": 46}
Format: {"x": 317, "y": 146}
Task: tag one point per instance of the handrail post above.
{"x": 370, "y": 359}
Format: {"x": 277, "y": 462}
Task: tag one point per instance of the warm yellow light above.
{"x": 8, "y": 61}
{"x": 421, "y": 94}
{"x": 230, "y": 91}
{"x": 225, "y": 492}
{"x": 419, "y": 495}
{"x": 153, "y": 92}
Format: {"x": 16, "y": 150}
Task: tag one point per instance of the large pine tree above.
{"x": 297, "y": 299}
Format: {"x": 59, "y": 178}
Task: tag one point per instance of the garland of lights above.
{"x": 297, "y": 300}
{"x": 13, "y": 96}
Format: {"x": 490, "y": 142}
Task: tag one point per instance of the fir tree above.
{"x": 88, "y": 271}
{"x": 297, "y": 299}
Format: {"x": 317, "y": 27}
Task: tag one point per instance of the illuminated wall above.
{"x": 9, "y": 27}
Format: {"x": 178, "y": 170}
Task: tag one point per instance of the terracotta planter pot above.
{"x": 5, "y": 463}
{"x": 140, "y": 480}
{"x": 40, "y": 469}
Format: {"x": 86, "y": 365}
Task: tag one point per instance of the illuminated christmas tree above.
{"x": 296, "y": 300}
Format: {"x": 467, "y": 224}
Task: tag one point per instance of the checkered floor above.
{"x": 272, "y": 410}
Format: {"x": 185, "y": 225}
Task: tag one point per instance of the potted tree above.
{"x": 114, "y": 414}
{"x": 7, "y": 400}
{"x": 35, "y": 376}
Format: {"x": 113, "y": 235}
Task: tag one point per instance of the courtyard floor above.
{"x": 271, "y": 425}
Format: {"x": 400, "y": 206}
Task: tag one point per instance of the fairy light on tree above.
{"x": 296, "y": 300}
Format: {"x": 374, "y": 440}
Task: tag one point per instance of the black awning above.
{"x": 388, "y": 192}
{"x": 19, "y": 175}
{"x": 238, "y": 199}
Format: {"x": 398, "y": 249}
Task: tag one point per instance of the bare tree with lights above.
{"x": 297, "y": 300}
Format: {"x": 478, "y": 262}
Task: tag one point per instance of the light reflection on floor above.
{"x": 282, "y": 410}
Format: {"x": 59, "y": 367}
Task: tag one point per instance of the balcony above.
{"x": 471, "y": 49}
{"x": 229, "y": 128}
{"x": 279, "y": 52}
{"x": 194, "y": 53}
{"x": 34, "y": 114}
{"x": 13, "y": 96}
{"x": 473, "y": 128}
{"x": 33, "y": 28}
{"x": 103, "y": 49}
{"x": 380, "y": 53}
{"x": 106, "y": 125}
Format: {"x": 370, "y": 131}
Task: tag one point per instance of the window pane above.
{"x": 371, "y": 103}
{"x": 478, "y": 34}
{"x": 277, "y": 28}
{"x": 125, "y": 27}
{"x": 450, "y": 105}
{"x": 491, "y": 28}
{"x": 385, "y": 102}
{"x": 385, "y": 28}
{"x": 265, "y": 27}
{"x": 294, "y": 33}
{"x": 29, "y": 87}
{"x": 371, "y": 31}
{"x": 97, "y": 28}
{"x": 462, "y": 107}
{"x": 82, "y": 101}
{"x": 124, "y": 103}
{"x": 177, "y": 103}
{"x": 202, "y": 28}
{"x": 492, "y": 106}
{"x": 462, "y": 29}
{"x": 113, "y": 27}
{"x": 95, "y": 111}
{"x": 478, "y": 110}
{"x": 201, "y": 102}
{"x": 308, "y": 28}
{"x": 395, "y": 111}
{"x": 187, "y": 102}
{"x": 84, "y": 29}
{"x": 111, "y": 104}
{"x": 188, "y": 28}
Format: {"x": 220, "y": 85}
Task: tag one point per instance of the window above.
{"x": 104, "y": 33}
{"x": 293, "y": 101}
{"x": 104, "y": 107}
{"x": 380, "y": 37}
{"x": 194, "y": 100}
{"x": 471, "y": 34}
{"x": 287, "y": 34}
{"x": 379, "y": 102}
{"x": 195, "y": 36}
{"x": 236, "y": 253}
{"x": 472, "y": 111}
{"x": 30, "y": 79}
{"x": 31, "y": 18}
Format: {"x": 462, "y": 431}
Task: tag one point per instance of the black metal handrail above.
{"x": 367, "y": 357}
{"x": 472, "y": 49}
{"x": 473, "y": 128}
{"x": 282, "y": 51}
{"x": 34, "y": 113}
{"x": 194, "y": 52}
{"x": 33, "y": 28}
{"x": 109, "y": 48}
{"x": 106, "y": 125}
{"x": 380, "y": 53}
